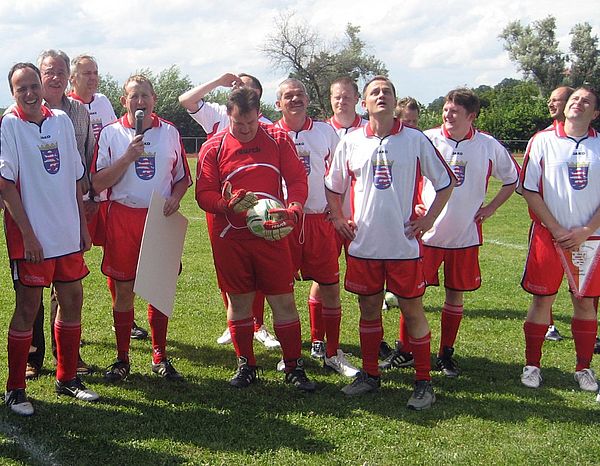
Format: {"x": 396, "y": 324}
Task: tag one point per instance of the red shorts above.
{"x": 248, "y": 265}
{"x": 314, "y": 250}
{"x": 342, "y": 243}
{"x": 404, "y": 278}
{"x": 97, "y": 225}
{"x": 124, "y": 230}
{"x": 68, "y": 268}
{"x": 461, "y": 267}
{"x": 543, "y": 268}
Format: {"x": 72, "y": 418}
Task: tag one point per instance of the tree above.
{"x": 585, "y": 56}
{"x": 535, "y": 49}
{"x": 111, "y": 88}
{"x": 295, "y": 47}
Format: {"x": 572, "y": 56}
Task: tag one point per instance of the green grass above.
{"x": 483, "y": 417}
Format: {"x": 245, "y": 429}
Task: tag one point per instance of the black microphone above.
{"x": 139, "y": 120}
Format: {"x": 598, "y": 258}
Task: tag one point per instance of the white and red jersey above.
{"x": 45, "y": 165}
{"x": 315, "y": 143}
{"x": 358, "y": 122}
{"x": 161, "y": 165}
{"x": 382, "y": 175}
{"x": 565, "y": 171}
{"x": 213, "y": 117}
{"x": 473, "y": 160}
{"x": 100, "y": 110}
{"x": 261, "y": 166}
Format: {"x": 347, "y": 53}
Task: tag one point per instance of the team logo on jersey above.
{"x": 145, "y": 166}
{"x": 305, "y": 157}
{"x": 96, "y": 126}
{"x": 382, "y": 173}
{"x": 578, "y": 174}
{"x": 459, "y": 171}
{"x": 50, "y": 157}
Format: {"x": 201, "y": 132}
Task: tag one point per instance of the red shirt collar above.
{"x": 125, "y": 121}
{"x": 469, "y": 135}
{"x": 307, "y": 125}
{"x": 79, "y": 99}
{"x": 559, "y": 128}
{"x": 396, "y": 128}
{"x": 46, "y": 112}
{"x": 355, "y": 124}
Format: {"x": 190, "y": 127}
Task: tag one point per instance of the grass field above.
{"x": 483, "y": 417}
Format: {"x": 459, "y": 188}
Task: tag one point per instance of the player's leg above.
{"x": 584, "y": 326}
{"x": 161, "y": 366}
{"x": 261, "y": 334}
{"x": 122, "y": 321}
{"x": 35, "y": 359}
{"x": 534, "y": 328}
{"x": 240, "y": 322}
{"x": 317, "y": 326}
{"x": 452, "y": 313}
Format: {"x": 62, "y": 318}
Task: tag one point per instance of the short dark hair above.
{"x": 379, "y": 77}
{"x": 21, "y": 66}
{"x": 593, "y": 91}
{"x": 465, "y": 98}
{"x": 140, "y": 79}
{"x": 406, "y": 103}
{"x": 346, "y": 80}
{"x": 255, "y": 83}
{"x": 244, "y": 99}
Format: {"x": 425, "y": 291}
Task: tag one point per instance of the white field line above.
{"x": 518, "y": 247}
{"x": 36, "y": 451}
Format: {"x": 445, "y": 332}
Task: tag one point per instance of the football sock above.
{"x": 534, "y": 339}
{"x": 158, "y": 329}
{"x": 18, "y": 350}
{"x": 451, "y": 317}
{"x": 315, "y": 310}
{"x": 242, "y": 334}
{"x": 332, "y": 318}
{"x": 123, "y": 322}
{"x": 371, "y": 334}
{"x": 421, "y": 348}
{"x": 288, "y": 334}
{"x": 112, "y": 288}
{"x": 258, "y": 310}
{"x": 584, "y": 335}
{"x": 68, "y": 335}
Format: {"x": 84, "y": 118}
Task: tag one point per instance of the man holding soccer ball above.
{"x": 236, "y": 167}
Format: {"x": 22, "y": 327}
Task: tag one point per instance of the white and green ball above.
{"x": 257, "y": 216}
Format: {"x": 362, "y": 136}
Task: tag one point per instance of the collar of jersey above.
{"x": 79, "y": 99}
{"x": 469, "y": 135}
{"x": 307, "y": 125}
{"x": 559, "y": 127}
{"x": 46, "y": 112}
{"x": 125, "y": 121}
{"x": 396, "y": 128}
{"x": 337, "y": 125}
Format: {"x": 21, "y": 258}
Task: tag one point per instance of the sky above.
{"x": 428, "y": 46}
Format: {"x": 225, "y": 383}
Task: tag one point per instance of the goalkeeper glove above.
{"x": 284, "y": 221}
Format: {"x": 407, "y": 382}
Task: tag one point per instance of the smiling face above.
{"x": 138, "y": 96}
{"x": 380, "y": 98}
{"x": 27, "y": 92}
{"x": 557, "y": 102}
{"x": 457, "y": 120}
{"x": 55, "y": 77}
{"x": 582, "y": 107}
{"x": 293, "y": 100}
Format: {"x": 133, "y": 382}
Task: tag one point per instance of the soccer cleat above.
{"x": 32, "y": 371}
{"x": 117, "y": 371}
{"x": 263, "y": 336}
{"x": 166, "y": 370}
{"x": 552, "y": 334}
{"x": 363, "y": 383}
{"x": 396, "y": 358}
{"x": 83, "y": 368}
{"x": 18, "y": 403}
{"x": 340, "y": 364}
{"x": 446, "y": 364}
{"x": 138, "y": 333}
{"x": 422, "y": 397}
{"x": 297, "y": 377}
{"x": 597, "y": 346}
{"x": 317, "y": 350}
{"x": 531, "y": 376}
{"x": 75, "y": 389}
{"x": 384, "y": 349}
{"x": 224, "y": 339}
{"x": 245, "y": 374}
{"x": 586, "y": 380}
{"x": 280, "y": 366}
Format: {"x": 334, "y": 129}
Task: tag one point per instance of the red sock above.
{"x": 123, "y": 322}
{"x": 421, "y": 349}
{"x": 371, "y": 334}
{"x": 288, "y": 334}
{"x": 451, "y": 317}
{"x": 112, "y": 288}
{"x": 584, "y": 335}
{"x": 68, "y": 335}
{"x": 403, "y": 336}
{"x": 18, "y": 352}
{"x": 242, "y": 334}
{"x": 258, "y": 310}
{"x": 315, "y": 311}
{"x": 332, "y": 318}
{"x": 534, "y": 339}
{"x": 158, "y": 329}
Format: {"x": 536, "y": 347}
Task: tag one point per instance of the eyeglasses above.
{"x": 54, "y": 74}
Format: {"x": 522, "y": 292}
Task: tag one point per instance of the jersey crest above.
{"x": 382, "y": 173}
{"x": 145, "y": 166}
{"x": 305, "y": 158}
{"x": 578, "y": 174}
{"x": 459, "y": 171}
{"x": 96, "y": 126}
{"x": 50, "y": 157}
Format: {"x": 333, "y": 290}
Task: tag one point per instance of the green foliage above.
{"x": 111, "y": 88}
{"x": 585, "y": 57}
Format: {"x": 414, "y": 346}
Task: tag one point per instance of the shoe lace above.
{"x": 117, "y": 367}
{"x": 16, "y": 397}
{"x": 420, "y": 390}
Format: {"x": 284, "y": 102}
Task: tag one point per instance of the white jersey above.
{"x": 45, "y": 165}
{"x": 100, "y": 110}
{"x": 565, "y": 171}
{"x": 343, "y": 130}
{"x": 382, "y": 175}
{"x": 473, "y": 160}
{"x": 161, "y": 165}
{"x": 213, "y": 117}
{"x": 315, "y": 143}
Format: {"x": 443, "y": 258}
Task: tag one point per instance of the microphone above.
{"x": 139, "y": 119}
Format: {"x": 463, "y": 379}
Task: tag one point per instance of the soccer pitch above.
{"x": 483, "y": 417}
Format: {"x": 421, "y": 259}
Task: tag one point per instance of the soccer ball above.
{"x": 256, "y": 216}
{"x": 391, "y": 300}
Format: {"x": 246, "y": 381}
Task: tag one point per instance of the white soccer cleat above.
{"x": 224, "y": 339}
{"x": 531, "y": 377}
{"x": 18, "y": 403}
{"x": 263, "y": 336}
{"x": 340, "y": 364}
{"x": 586, "y": 380}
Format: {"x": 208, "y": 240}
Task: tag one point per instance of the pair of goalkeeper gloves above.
{"x": 283, "y": 220}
